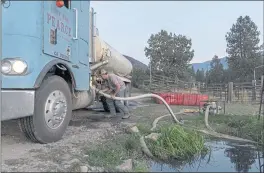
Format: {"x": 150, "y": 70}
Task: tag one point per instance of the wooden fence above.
{"x": 244, "y": 92}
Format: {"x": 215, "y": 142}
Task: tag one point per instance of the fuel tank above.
{"x": 117, "y": 63}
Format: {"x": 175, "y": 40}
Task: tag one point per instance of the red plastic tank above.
{"x": 163, "y": 95}
{"x": 185, "y": 99}
{"x": 178, "y": 98}
{"x": 201, "y": 99}
{"x": 172, "y": 98}
{"x": 190, "y": 99}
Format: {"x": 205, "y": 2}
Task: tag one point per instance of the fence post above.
{"x": 261, "y": 97}
{"x": 226, "y": 90}
{"x": 221, "y": 90}
{"x": 199, "y": 87}
{"x": 254, "y": 94}
{"x": 262, "y": 81}
{"x": 230, "y": 92}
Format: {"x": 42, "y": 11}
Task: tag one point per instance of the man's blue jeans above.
{"x": 112, "y": 103}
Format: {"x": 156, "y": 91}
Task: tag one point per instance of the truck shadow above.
{"x": 90, "y": 119}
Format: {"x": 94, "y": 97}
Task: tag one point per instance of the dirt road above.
{"x": 86, "y": 129}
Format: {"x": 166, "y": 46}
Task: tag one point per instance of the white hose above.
{"x": 154, "y": 124}
{"x": 206, "y": 118}
{"x": 210, "y": 132}
{"x": 140, "y": 97}
{"x": 142, "y": 141}
{"x": 220, "y": 135}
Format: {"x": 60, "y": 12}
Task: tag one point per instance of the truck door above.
{"x": 84, "y": 32}
{"x": 59, "y": 30}
{"x": 81, "y": 43}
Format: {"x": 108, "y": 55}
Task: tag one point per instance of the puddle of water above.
{"x": 224, "y": 157}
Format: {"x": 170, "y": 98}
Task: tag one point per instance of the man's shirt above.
{"x": 113, "y": 80}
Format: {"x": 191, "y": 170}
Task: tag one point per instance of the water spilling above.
{"x": 224, "y": 157}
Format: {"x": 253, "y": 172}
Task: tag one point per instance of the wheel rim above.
{"x": 55, "y": 109}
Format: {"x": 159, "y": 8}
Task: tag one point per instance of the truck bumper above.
{"x": 17, "y": 104}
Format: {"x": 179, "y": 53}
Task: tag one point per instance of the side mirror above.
{"x": 3, "y": 1}
{"x": 59, "y": 3}
{"x": 97, "y": 31}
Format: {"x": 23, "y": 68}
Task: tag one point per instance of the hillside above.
{"x": 136, "y": 63}
{"x": 196, "y": 66}
{"x": 206, "y": 65}
{"x": 203, "y": 65}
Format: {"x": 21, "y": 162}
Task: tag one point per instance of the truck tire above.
{"x": 52, "y": 114}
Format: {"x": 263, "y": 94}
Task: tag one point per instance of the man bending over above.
{"x": 115, "y": 87}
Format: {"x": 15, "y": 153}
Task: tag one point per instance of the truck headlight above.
{"x": 19, "y": 67}
{"x": 6, "y": 67}
{"x": 11, "y": 66}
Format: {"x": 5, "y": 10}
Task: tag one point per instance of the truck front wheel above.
{"x": 52, "y": 114}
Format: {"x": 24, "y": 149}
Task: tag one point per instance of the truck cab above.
{"x": 48, "y": 58}
{"x": 45, "y": 59}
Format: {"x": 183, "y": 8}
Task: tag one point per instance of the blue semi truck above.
{"x": 51, "y": 51}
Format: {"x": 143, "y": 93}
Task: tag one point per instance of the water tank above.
{"x": 117, "y": 63}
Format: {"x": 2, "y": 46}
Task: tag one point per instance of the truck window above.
{"x": 67, "y": 3}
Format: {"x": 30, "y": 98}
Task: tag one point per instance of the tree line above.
{"x": 170, "y": 55}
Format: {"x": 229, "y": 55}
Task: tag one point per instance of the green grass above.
{"x": 141, "y": 166}
{"x": 178, "y": 143}
{"x": 144, "y": 128}
{"x": 248, "y": 127}
{"x": 174, "y": 142}
{"x": 113, "y": 152}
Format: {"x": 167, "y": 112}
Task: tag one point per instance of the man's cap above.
{"x": 103, "y": 71}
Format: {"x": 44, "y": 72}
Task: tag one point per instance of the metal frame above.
{"x": 217, "y": 101}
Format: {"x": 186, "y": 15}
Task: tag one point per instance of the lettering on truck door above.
{"x": 58, "y": 30}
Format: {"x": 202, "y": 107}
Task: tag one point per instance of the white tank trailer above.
{"x": 117, "y": 63}
{"x": 101, "y": 52}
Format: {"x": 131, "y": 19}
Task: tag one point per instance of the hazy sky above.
{"x": 127, "y": 25}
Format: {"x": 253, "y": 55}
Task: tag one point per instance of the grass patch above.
{"x": 141, "y": 166}
{"x": 248, "y": 127}
{"x": 144, "y": 129}
{"x": 113, "y": 152}
{"x": 178, "y": 143}
{"x": 174, "y": 143}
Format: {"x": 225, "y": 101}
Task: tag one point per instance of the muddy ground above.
{"x": 88, "y": 128}
{"x": 20, "y": 154}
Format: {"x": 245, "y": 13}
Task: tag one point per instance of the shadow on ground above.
{"x": 87, "y": 128}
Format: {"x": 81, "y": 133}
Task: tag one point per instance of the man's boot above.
{"x": 111, "y": 107}
{"x": 111, "y": 114}
{"x": 126, "y": 116}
